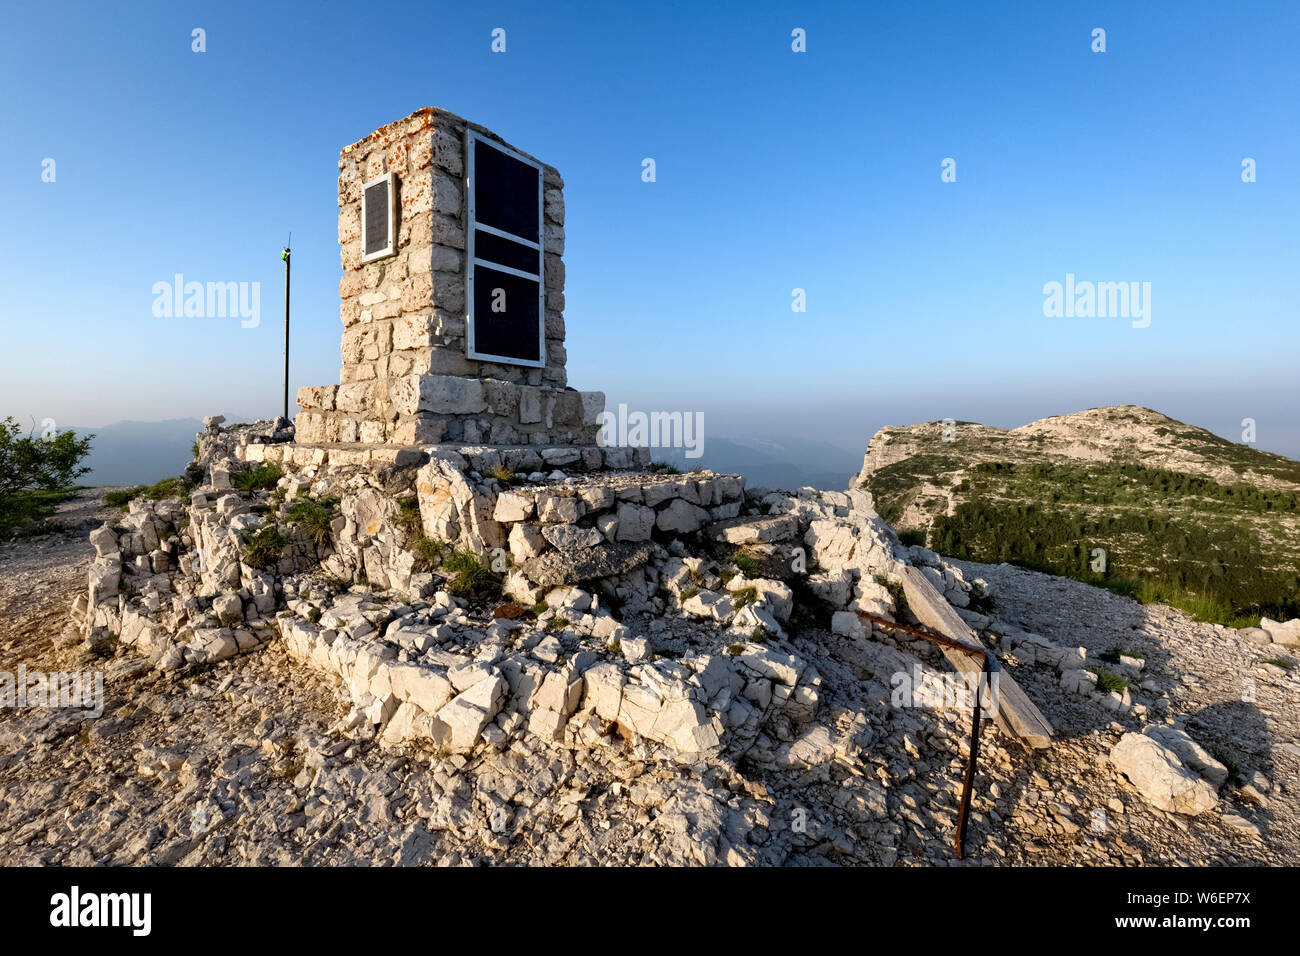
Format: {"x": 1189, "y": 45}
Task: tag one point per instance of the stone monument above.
{"x": 452, "y": 300}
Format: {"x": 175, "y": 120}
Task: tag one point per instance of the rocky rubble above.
{"x": 713, "y": 699}
{"x": 181, "y": 586}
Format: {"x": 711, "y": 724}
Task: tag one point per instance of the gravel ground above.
{"x": 242, "y": 762}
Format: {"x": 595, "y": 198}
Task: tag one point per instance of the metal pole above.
{"x": 285, "y": 256}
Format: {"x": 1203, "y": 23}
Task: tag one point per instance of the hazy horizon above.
{"x": 777, "y": 171}
{"x": 783, "y": 423}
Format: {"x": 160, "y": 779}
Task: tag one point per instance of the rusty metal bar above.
{"x": 934, "y": 637}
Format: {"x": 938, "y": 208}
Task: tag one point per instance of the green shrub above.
{"x": 1108, "y": 682}
{"x": 192, "y": 478}
{"x": 264, "y": 546}
{"x": 979, "y": 601}
{"x": 36, "y": 475}
{"x": 747, "y": 564}
{"x": 428, "y": 552}
{"x": 315, "y": 518}
{"x": 911, "y": 536}
{"x": 27, "y": 513}
{"x": 1226, "y": 757}
{"x": 120, "y": 499}
{"x": 167, "y": 488}
{"x": 1214, "y": 571}
{"x": 261, "y": 478}
{"x": 470, "y": 574}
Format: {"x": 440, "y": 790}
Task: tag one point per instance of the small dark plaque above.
{"x": 377, "y": 209}
{"x": 506, "y": 318}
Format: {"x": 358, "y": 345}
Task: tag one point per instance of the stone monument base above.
{"x": 519, "y": 459}
{"x": 432, "y": 409}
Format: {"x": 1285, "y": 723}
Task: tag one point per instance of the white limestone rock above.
{"x": 682, "y": 517}
{"x": 710, "y": 605}
{"x": 511, "y": 507}
{"x": 847, "y": 624}
{"x": 567, "y": 537}
{"x": 635, "y": 522}
{"x": 458, "y": 724}
{"x": 526, "y": 541}
{"x": 1159, "y": 775}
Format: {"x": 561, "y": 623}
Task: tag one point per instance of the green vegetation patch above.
{"x": 470, "y": 574}
{"x": 36, "y": 475}
{"x": 1217, "y": 551}
{"x": 1109, "y": 682}
{"x": 264, "y": 546}
{"x": 314, "y": 516}
{"x": 747, "y": 564}
{"x": 264, "y": 477}
{"x": 428, "y": 552}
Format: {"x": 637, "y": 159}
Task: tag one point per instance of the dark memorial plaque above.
{"x": 377, "y": 206}
{"x": 506, "y": 192}
{"x": 505, "y": 272}
{"x": 506, "y": 315}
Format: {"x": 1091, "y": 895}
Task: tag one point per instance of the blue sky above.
{"x": 775, "y": 170}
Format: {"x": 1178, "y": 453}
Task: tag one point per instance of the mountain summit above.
{"x": 1121, "y": 496}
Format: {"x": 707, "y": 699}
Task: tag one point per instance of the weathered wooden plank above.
{"x": 1016, "y": 713}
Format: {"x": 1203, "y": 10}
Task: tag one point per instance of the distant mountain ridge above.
{"x": 786, "y": 464}
{"x": 139, "y": 453}
{"x": 1122, "y": 496}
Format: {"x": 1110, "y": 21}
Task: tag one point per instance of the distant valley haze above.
{"x": 776, "y": 455}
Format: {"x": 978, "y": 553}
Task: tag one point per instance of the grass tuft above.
{"x": 262, "y": 478}
{"x": 470, "y": 574}
{"x": 747, "y": 564}
{"x": 264, "y": 546}
{"x": 1108, "y": 682}
{"x": 315, "y": 518}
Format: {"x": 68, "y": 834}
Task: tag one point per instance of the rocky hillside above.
{"x": 270, "y": 757}
{"x": 1183, "y": 516}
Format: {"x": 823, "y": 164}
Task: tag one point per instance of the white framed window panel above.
{"x": 390, "y": 238}
{"x": 472, "y": 224}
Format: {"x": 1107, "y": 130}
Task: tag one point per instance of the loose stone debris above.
{"x": 638, "y": 718}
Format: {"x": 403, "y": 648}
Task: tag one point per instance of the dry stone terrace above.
{"x": 641, "y": 626}
{"x": 421, "y": 665}
{"x": 267, "y": 757}
{"x": 688, "y": 706}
